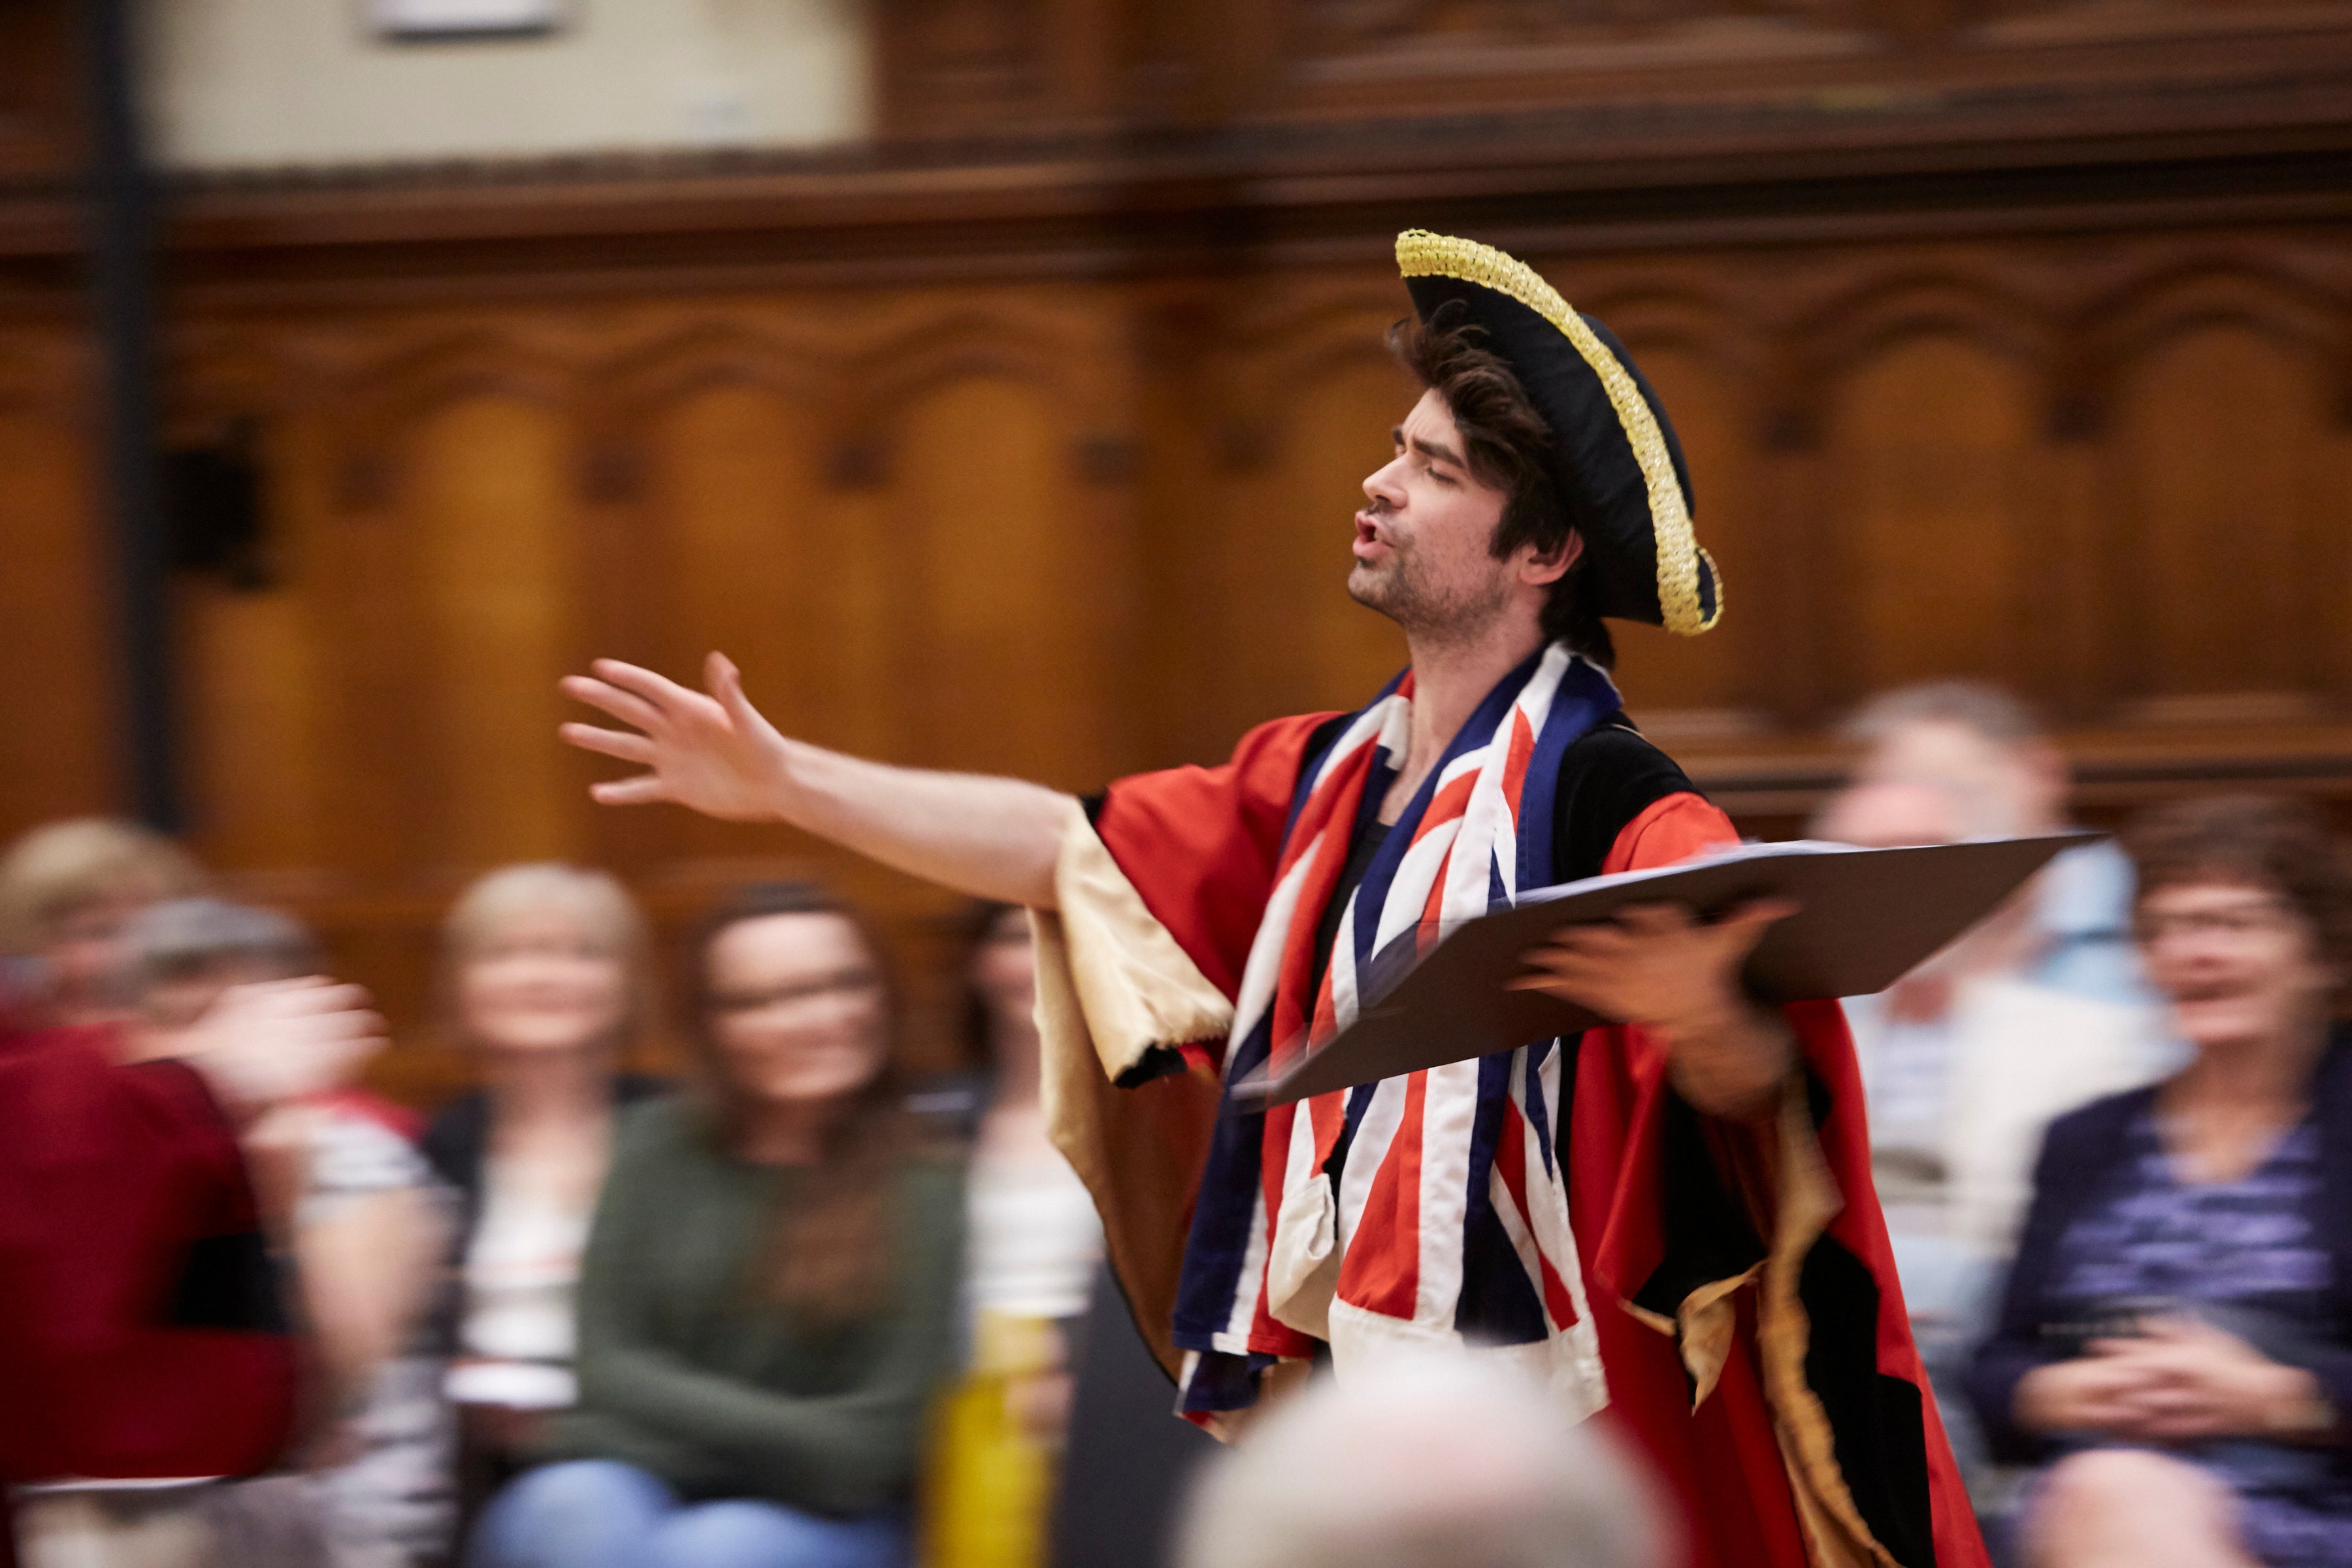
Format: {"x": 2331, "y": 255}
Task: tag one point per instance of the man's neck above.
{"x": 1451, "y": 676}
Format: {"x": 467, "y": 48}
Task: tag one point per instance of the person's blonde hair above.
{"x": 57, "y": 870}
{"x": 595, "y": 900}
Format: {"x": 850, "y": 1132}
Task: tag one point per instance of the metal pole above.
{"x": 122, "y": 309}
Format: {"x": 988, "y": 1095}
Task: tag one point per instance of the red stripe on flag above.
{"x": 1381, "y": 1272}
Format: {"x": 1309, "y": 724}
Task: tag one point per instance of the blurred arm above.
{"x": 713, "y": 753}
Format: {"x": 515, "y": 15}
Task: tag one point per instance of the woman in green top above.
{"x": 769, "y": 1290}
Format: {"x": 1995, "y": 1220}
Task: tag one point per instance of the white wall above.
{"x": 270, "y": 83}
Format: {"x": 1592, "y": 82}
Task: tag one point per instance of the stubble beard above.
{"x": 1427, "y": 616}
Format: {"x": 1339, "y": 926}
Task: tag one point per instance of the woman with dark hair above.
{"x": 2175, "y": 1347}
{"x": 770, "y": 1289}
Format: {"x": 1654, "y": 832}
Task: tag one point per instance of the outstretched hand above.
{"x": 709, "y": 750}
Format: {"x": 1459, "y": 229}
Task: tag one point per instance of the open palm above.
{"x": 709, "y": 750}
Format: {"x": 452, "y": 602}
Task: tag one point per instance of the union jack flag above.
{"x": 1419, "y": 1210}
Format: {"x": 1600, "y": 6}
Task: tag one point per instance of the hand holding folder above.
{"x": 1863, "y": 918}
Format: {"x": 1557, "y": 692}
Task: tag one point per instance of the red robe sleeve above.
{"x": 1818, "y": 1440}
{"x": 1199, "y": 845}
{"x": 119, "y": 1182}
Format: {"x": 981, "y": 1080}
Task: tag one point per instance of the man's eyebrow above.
{"x": 1433, "y": 449}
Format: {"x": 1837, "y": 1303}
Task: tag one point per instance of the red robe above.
{"x": 136, "y": 1334}
{"x": 1664, "y": 1202}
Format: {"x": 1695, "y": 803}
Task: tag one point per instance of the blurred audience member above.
{"x": 1960, "y": 759}
{"x": 1035, "y": 1245}
{"x": 548, "y": 981}
{"x": 2175, "y": 1343}
{"x": 2032, "y": 1014}
{"x": 65, "y": 891}
{"x": 1425, "y": 1463}
{"x": 770, "y": 1289}
{"x": 145, "y": 1350}
{"x": 366, "y": 1237}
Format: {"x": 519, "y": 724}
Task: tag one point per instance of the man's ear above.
{"x": 1541, "y": 567}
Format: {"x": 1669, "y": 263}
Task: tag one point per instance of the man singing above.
{"x": 1669, "y": 1222}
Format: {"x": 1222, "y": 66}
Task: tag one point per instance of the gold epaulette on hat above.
{"x": 1421, "y": 254}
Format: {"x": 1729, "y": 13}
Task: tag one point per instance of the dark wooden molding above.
{"x": 1773, "y": 167}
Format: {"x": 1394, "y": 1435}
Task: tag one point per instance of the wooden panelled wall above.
{"x": 2015, "y": 345}
{"x": 1067, "y": 531}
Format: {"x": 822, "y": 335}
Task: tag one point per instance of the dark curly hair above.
{"x": 2284, "y": 846}
{"x": 1510, "y": 448}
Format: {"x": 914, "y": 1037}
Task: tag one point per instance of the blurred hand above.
{"x": 711, "y": 753}
{"x": 2196, "y": 1382}
{"x": 2097, "y": 1393}
{"x": 1655, "y": 963}
{"x": 1657, "y": 966}
{"x": 260, "y": 1046}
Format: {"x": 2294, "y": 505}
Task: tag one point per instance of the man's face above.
{"x": 1424, "y": 540}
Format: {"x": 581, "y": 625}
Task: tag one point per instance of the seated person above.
{"x": 1034, "y": 1243}
{"x": 1966, "y": 1059}
{"x": 364, "y": 1235}
{"x": 2175, "y": 1345}
{"x": 141, "y": 1336}
{"x": 549, "y": 990}
{"x": 770, "y": 1293}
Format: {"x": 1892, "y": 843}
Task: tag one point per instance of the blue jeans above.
{"x": 596, "y": 1513}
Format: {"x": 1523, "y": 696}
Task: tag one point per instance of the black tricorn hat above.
{"x": 1620, "y": 466}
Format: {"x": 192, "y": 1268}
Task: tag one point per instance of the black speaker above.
{"x": 212, "y": 513}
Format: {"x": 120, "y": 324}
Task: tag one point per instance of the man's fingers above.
{"x": 1653, "y": 920}
{"x": 645, "y": 789}
{"x": 725, "y": 682}
{"x": 628, "y": 707}
{"x": 621, "y": 743}
{"x": 659, "y": 690}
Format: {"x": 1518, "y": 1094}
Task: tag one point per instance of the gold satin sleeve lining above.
{"x": 1112, "y": 984}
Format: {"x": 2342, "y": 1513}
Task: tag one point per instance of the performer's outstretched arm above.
{"x": 712, "y": 752}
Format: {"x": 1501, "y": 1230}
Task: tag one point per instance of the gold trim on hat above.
{"x": 1421, "y": 254}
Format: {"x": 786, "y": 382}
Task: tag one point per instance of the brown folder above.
{"x": 1865, "y": 918}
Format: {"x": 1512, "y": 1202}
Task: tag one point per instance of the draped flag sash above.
{"x": 1420, "y": 1210}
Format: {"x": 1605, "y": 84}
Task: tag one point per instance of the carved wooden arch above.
{"x": 2300, "y": 315}
{"x": 883, "y": 383}
{"x": 381, "y": 404}
{"x": 1303, "y": 341}
{"x": 627, "y": 395}
{"x": 217, "y": 376}
{"x": 1694, "y": 315}
{"x": 1845, "y": 332}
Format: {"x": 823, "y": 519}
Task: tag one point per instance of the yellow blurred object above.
{"x": 992, "y": 1459}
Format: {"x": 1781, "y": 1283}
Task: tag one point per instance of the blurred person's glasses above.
{"x": 2257, "y": 918}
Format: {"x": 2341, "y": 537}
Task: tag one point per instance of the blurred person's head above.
{"x": 1435, "y": 1461}
{"x": 2243, "y": 916}
{"x": 794, "y": 1001}
{"x": 1946, "y": 760}
{"x": 794, "y": 1018}
{"x": 546, "y": 960}
{"x": 181, "y": 954}
{"x": 67, "y": 890}
{"x": 1000, "y": 979}
{"x": 1466, "y": 524}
